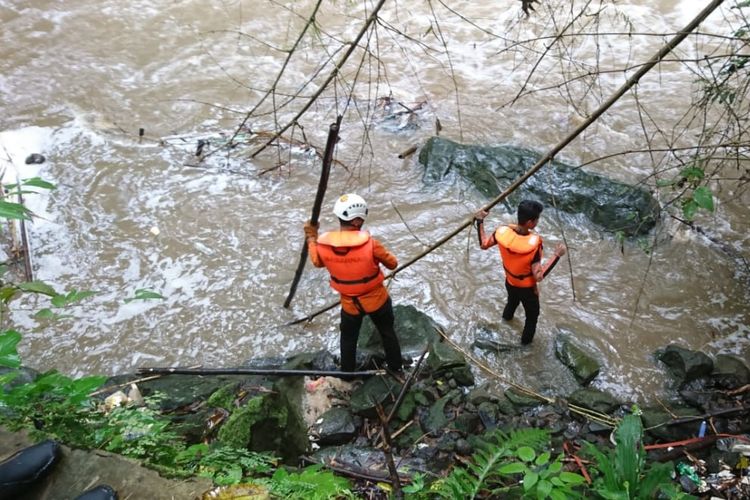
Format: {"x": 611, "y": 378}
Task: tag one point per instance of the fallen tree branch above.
{"x": 275, "y": 372}
{"x": 373, "y": 17}
{"x": 333, "y": 135}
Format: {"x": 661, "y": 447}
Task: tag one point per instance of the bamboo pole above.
{"x": 275, "y": 372}
{"x": 550, "y": 155}
{"x": 333, "y": 135}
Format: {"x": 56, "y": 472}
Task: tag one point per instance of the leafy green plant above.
{"x": 225, "y": 465}
{"x": 542, "y": 478}
{"x": 144, "y": 294}
{"x": 482, "y": 477}
{"x": 141, "y": 433}
{"x": 309, "y": 484}
{"x": 623, "y": 474}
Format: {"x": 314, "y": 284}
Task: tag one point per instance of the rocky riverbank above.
{"x": 437, "y": 417}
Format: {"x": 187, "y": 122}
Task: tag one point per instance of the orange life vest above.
{"x": 349, "y": 258}
{"x": 518, "y": 252}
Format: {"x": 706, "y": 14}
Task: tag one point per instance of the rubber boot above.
{"x": 101, "y": 492}
{"x": 26, "y": 467}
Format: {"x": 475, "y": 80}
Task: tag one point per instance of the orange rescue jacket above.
{"x": 518, "y": 252}
{"x": 349, "y": 258}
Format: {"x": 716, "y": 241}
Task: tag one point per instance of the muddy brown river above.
{"x": 220, "y": 239}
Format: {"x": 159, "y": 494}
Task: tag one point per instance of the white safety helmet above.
{"x": 350, "y": 206}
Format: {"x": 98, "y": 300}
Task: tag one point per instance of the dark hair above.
{"x": 529, "y": 210}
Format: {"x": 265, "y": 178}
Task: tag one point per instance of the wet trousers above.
{"x": 530, "y": 300}
{"x": 383, "y": 320}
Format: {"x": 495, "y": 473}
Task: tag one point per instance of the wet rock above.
{"x": 480, "y": 394}
{"x": 729, "y": 372}
{"x": 612, "y": 205}
{"x": 463, "y": 447}
{"x": 184, "y": 391}
{"x": 435, "y": 420}
{"x": 657, "y": 423}
{"x": 488, "y": 415}
{"x": 407, "y": 408}
{"x": 519, "y": 399}
{"x": 35, "y": 159}
{"x": 370, "y": 461}
{"x": 467, "y": 423}
{"x": 698, "y": 393}
{"x": 684, "y": 364}
{"x": 462, "y": 375}
{"x": 489, "y": 337}
{"x": 334, "y": 427}
{"x": 266, "y": 423}
{"x": 443, "y": 358}
{"x": 594, "y": 399}
{"x": 583, "y": 366}
{"x": 375, "y": 390}
{"x": 415, "y": 330}
{"x": 318, "y": 360}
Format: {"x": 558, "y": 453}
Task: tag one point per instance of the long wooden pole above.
{"x": 275, "y": 372}
{"x": 633, "y": 80}
{"x": 333, "y": 135}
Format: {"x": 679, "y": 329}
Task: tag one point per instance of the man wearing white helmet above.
{"x": 352, "y": 258}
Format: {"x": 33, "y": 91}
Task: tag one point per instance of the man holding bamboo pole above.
{"x": 521, "y": 253}
{"x": 352, "y": 258}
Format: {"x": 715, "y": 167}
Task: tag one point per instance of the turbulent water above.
{"x": 220, "y": 241}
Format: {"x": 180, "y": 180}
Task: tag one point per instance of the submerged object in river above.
{"x": 612, "y": 205}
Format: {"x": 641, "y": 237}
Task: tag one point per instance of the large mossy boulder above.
{"x": 685, "y": 365}
{"x": 611, "y": 205}
{"x": 415, "y": 331}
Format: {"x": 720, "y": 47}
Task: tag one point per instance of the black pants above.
{"x": 383, "y": 320}
{"x": 530, "y": 300}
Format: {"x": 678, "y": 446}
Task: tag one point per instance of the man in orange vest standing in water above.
{"x": 521, "y": 253}
{"x": 352, "y": 258}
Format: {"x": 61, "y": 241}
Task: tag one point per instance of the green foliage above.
{"x": 309, "y": 484}
{"x": 140, "y": 433}
{"x": 623, "y": 472}
{"x": 8, "y": 351}
{"x": 494, "y": 460}
{"x": 225, "y": 465}
{"x": 14, "y": 211}
{"x": 542, "y": 478}
{"x": 63, "y": 300}
{"x": 144, "y": 294}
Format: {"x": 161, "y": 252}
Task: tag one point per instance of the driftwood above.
{"x": 333, "y": 135}
{"x": 274, "y": 372}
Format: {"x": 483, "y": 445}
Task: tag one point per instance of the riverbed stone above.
{"x": 684, "y": 364}
{"x": 609, "y": 204}
{"x": 317, "y": 360}
{"x": 415, "y": 330}
{"x": 581, "y": 363}
{"x": 729, "y": 372}
{"x": 375, "y": 390}
{"x": 443, "y": 358}
{"x": 657, "y": 422}
{"x": 334, "y": 427}
{"x": 520, "y": 400}
{"x": 594, "y": 399}
{"x": 434, "y": 421}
